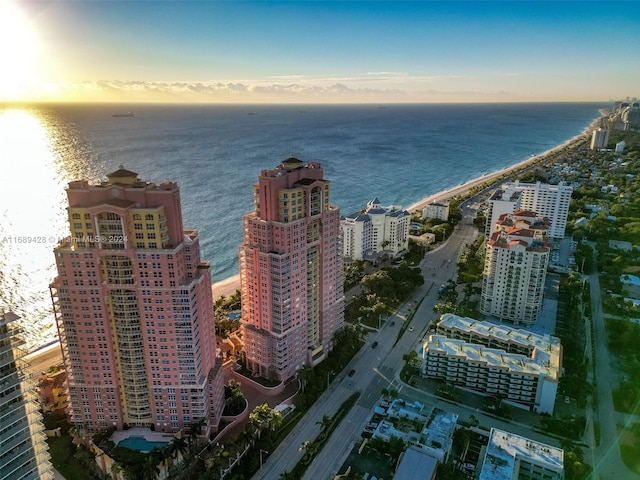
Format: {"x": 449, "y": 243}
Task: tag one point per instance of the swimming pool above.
{"x": 140, "y": 444}
{"x": 234, "y": 315}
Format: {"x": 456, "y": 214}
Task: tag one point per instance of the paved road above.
{"x": 605, "y": 458}
{"x": 41, "y": 360}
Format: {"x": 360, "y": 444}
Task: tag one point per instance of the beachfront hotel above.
{"x": 24, "y": 453}
{"x": 517, "y": 255}
{"x": 134, "y": 310}
{"x": 519, "y": 366}
{"x": 291, "y": 276}
{"x": 551, "y": 201}
{"x": 510, "y": 456}
{"x": 374, "y": 231}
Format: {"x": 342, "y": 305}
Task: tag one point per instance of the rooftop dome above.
{"x": 291, "y": 163}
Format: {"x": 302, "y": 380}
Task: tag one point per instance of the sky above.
{"x": 318, "y": 52}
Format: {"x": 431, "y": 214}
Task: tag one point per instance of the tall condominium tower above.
{"x": 24, "y": 453}
{"x": 291, "y": 271}
{"x": 134, "y": 310}
{"x": 599, "y": 139}
{"x": 515, "y": 268}
{"x": 551, "y": 201}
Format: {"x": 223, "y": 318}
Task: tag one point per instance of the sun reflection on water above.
{"x": 37, "y": 163}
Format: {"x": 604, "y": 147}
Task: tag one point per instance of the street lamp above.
{"x": 329, "y": 373}
{"x": 261, "y": 451}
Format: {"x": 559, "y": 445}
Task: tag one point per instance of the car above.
{"x": 374, "y": 344}
{"x": 352, "y": 372}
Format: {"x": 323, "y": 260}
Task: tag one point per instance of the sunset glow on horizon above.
{"x": 317, "y": 52}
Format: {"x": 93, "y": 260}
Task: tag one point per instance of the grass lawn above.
{"x": 62, "y": 450}
{"x": 631, "y": 457}
{"x": 630, "y": 447}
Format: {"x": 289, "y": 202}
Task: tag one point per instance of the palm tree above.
{"x": 305, "y": 376}
{"x": 325, "y": 423}
{"x": 261, "y": 417}
{"x": 275, "y": 422}
{"x": 195, "y": 429}
{"x": 178, "y": 446}
{"x": 116, "y": 470}
{"x": 150, "y": 468}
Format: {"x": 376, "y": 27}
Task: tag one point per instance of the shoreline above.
{"x": 229, "y": 285}
{"x": 492, "y": 176}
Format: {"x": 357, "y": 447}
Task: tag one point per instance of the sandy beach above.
{"x": 491, "y": 177}
{"x": 228, "y": 286}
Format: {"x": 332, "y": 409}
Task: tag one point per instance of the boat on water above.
{"x": 123, "y": 114}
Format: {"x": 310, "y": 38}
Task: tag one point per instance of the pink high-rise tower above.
{"x": 134, "y": 310}
{"x": 291, "y": 271}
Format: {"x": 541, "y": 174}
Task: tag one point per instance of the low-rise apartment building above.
{"x": 375, "y": 230}
{"x": 436, "y": 210}
{"x": 510, "y": 456}
{"x": 520, "y": 367}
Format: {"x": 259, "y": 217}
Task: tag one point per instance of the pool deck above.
{"x": 147, "y": 434}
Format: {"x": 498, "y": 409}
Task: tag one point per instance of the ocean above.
{"x": 398, "y": 153}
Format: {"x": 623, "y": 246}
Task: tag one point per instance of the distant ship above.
{"x": 123, "y": 114}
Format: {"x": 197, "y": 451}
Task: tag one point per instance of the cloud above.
{"x": 106, "y": 90}
{"x": 371, "y": 87}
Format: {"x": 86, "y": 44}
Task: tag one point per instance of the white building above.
{"x": 515, "y": 268}
{"x": 24, "y": 453}
{"x": 551, "y": 201}
{"x": 510, "y": 456}
{"x": 375, "y": 230}
{"x": 599, "y": 139}
{"x": 520, "y": 366}
{"x": 436, "y": 210}
{"x": 432, "y": 433}
{"x": 503, "y": 200}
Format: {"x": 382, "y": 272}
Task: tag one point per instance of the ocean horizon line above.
{"x": 39, "y": 103}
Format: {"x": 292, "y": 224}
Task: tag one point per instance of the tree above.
{"x": 261, "y": 418}
{"x": 150, "y": 468}
{"x": 116, "y": 470}
{"x": 275, "y": 422}
{"x": 234, "y": 401}
{"x": 195, "y": 429}
{"x": 325, "y": 423}
{"x": 306, "y": 375}
{"x": 307, "y": 447}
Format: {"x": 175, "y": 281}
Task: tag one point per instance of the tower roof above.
{"x": 123, "y": 176}
{"x": 291, "y": 163}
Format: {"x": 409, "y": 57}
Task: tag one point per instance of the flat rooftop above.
{"x": 506, "y": 451}
{"x": 546, "y": 349}
{"x": 492, "y": 357}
